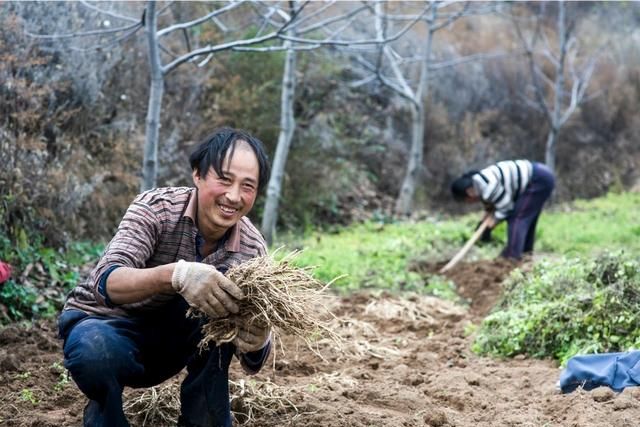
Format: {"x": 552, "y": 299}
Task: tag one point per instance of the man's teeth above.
{"x": 227, "y": 209}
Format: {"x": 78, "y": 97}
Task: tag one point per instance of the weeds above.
{"x": 27, "y": 395}
{"x": 41, "y": 276}
{"x": 564, "y": 308}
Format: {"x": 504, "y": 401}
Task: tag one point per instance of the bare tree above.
{"x": 287, "y": 119}
{"x": 311, "y": 26}
{"x": 406, "y": 70}
{"x": 558, "y": 95}
{"x": 287, "y": 127}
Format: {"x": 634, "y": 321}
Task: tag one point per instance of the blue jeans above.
{"x": 522, "y": 222}
{"x": 104, "y": 355}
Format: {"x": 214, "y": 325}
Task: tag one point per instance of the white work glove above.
{"x": 251, "y": 337}
{"x": 206, "y": 289}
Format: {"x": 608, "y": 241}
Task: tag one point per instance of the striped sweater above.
{"x": 501, "y": 184}
{"x": 159, "y": 228}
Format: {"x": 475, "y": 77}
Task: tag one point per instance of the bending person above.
{"x": 515, "y": 190}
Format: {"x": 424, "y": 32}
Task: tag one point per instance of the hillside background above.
{"x": 72, "y": 122}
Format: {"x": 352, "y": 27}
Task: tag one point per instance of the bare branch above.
{"x": 468, "y": 58}
{"x": 266, "y": 19}
{"x": 384, "y": 80}
{"x": 276, "y": 48}
{"x": 186, "y": 38}
{"x": 450, "y": 19}
{"x": 329, "y": 21}
{"x": 205, "y": 60}
{"x": 375, "y": 41}
{"x": 331, "y": 34}
{"x": 578, "y": 90}
{"x": 236, "y": 44}
{"x": 294, "y": 17}
{"x": 547, "y": 53}
{"x": 165, "y": 8}
{"x": 135, "y": 27}
{"x": 363, "y": 81}
{"x": 108, "y": 12}
{"x": 315, "y": 13}
{"x": 200, "y": 20}
{"x": 540, "y": 74}
{"x": 220, "y": 24}
{"x": 535, "y": 105}
{"x": 111, "y": 43}
{"x": 167, "y": 50}
{"x": 405, "y": 88}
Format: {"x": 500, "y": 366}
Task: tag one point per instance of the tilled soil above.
{"x": 405, "y": 361}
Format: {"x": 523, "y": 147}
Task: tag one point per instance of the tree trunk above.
{"x": 156, "y": 90}
{"x": 287, "y": 126}
{"x": 404, "y": 203}
{"x": 550, "y": 151}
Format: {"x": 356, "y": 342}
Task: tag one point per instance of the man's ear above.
{"x": 196, "y": 178}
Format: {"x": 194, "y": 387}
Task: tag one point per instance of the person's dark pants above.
{"x": 522, "y": 222}
{"x": 104, "y": 355}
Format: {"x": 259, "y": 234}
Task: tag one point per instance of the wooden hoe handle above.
{"x": 472, "y": 240}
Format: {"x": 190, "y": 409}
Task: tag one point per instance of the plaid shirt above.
{"x": 159, "y": 228}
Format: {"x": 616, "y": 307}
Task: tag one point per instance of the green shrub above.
{"x": 566, "y": 307}
{"x": 41, "y": 276}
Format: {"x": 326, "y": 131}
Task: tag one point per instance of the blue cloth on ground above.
{"x": 614, "y": 370}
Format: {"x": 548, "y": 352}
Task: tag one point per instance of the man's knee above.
{"x": 95, "y": 353}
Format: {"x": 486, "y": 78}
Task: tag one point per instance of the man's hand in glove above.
{"x": 206, "y": 289}
{"x": 251, "y": 337}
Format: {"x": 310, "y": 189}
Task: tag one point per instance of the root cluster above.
{"x": 278, "y": 294}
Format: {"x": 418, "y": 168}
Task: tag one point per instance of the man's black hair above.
{"x": 213, "y": 150}
{"x": 460, "y": 185}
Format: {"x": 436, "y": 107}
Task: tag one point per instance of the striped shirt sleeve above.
{"x": 133, "y": 244}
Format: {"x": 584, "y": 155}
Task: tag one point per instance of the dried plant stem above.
{"x": 279, "y": 295}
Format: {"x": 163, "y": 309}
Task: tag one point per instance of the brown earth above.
{"x": 406, "y": 361}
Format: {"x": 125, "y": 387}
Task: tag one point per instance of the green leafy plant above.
{"x": 23, "y": 375}
{"x": 27, "y": 395}
{"x": 63, "y": 376}
{"x": 566, "y": 307}
{"x": 42, "y": 276}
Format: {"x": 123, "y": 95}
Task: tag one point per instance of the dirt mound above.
{"x": 405, "y": 362}
{"x": 479, "y": 282}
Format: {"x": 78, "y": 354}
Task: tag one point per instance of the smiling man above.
{"x": 126, "y": 324}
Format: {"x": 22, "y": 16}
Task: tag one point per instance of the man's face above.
{"x": 223, "y": 201}
{"x": 472, "y": 195}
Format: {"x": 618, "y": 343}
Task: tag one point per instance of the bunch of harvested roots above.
{"x": 279, "y": 295}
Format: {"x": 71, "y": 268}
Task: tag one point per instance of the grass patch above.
{"x": 377, "y": 255}
{"x": 587, "y": 227}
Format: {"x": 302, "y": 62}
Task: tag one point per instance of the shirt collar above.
{"x": 232, "y": 243}
{"x": 192, "y": 206}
